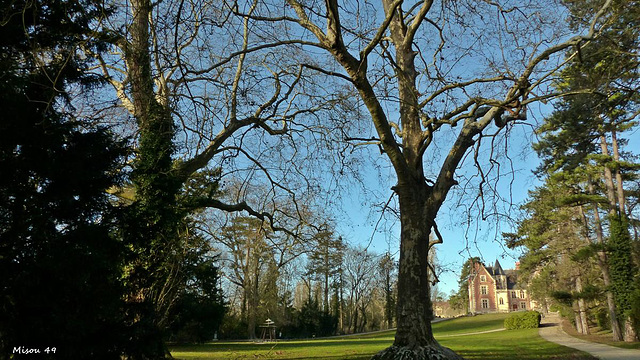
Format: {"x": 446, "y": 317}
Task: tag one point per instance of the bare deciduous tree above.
{"x": 432, "y": 75}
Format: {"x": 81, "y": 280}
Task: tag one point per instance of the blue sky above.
{"x": 462, "y": 238}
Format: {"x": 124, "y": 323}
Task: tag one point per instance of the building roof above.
{"x": 496, "y": 269}
{"x": 510, "y": 274}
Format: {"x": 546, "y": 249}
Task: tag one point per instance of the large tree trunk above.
{"x": 414, "y": 336}
{"x": 153, "y": 228}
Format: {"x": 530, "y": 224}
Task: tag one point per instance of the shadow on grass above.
{"x": 524, "y": 344}
{"x": 280, "y": 345}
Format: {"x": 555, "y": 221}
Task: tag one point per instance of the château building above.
{"x": 492, "y": 289}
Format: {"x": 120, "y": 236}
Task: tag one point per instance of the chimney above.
{"x": 517, "y": 265}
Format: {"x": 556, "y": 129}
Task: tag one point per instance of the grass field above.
{"x": 500, "y": 345}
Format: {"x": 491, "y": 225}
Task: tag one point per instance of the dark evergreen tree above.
{"x": 460, "y": 300}
{"x": 60, "y": 264}
{"x": 200, "y": 307}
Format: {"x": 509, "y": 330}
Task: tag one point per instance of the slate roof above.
{"x": 496, "y": 269}
{"x": 511, "y": 275}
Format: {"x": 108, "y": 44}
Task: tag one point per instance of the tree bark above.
{"x": 604, "y": 269}
{"x": 615, "y": 194}
{"x": 608, "y": 179}
{"x": 414, "y": 336}
{"x": 618, "y": 174}
{"x": 630, "y": 334}
{"x": 582, "y": 309}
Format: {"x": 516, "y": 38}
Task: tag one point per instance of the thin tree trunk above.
{"x": 388, "y": 290}
{"x": 252, "y": 311}
{"x": 617, "y": 205}
{"x": 604, "y": 269}
{"x": 608, "y": 178}
{"x": 582, "y": 309}
{"x": 341, "y": 305}
{"x": 326, "y": 291}
{"x": 619, "y": 183}
{"x": 576, "y": 317}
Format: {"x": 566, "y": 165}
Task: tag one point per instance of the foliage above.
{"x": 623, "y": 270}
{"x": 200, "y": 308}
{"x": 523, "y": 320}
{"x": 59, "y": 259}
{"x": 635, "y": 304}
{"x": 460, "y": 300}
{"x": 233, "y": 327}
{"x": 602, "y": 319}
{"x": 314, "y": 322}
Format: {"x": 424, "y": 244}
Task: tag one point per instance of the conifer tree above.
{"x": 60, "y": 263}
{"x": 582, "y": 137}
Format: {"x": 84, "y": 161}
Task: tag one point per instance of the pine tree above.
{"x": 59, "y": 260}
{"x": 581, "y": 137}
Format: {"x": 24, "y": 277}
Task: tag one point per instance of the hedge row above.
{"x": 523, "y": 320}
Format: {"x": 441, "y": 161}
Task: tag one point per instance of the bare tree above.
{"x": 454, "y": 75}
{"x": 210, "y": 99}
{"x": 359, "y": 268}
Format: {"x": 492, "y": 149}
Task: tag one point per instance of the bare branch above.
{"x": 381, "y": 30}
{"x": 417, "y": 21}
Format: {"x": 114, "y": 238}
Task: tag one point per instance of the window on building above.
{"x": 522, "y": 294}
{"x": 483, "y": 278}
{"x": 485, "y": 303}
{"x": 484, "y": 289}
{"x": 501, "y": 301}
{"x": 523, "y": 305}
{"x": 513, "y": 294}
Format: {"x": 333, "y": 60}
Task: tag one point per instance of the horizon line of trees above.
{"x": 320, "y": 287}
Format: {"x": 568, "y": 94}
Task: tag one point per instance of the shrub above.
{"x": 523, "y": 320}
{"x": 602, "y": 318}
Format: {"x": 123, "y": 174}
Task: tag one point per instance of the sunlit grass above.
{"x": 521, "y": 344}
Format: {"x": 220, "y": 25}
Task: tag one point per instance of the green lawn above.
{"x": 520, "y": 344}
{"x": 469, "y": 324}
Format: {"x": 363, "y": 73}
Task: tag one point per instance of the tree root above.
{"x": 430, "y": 352}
